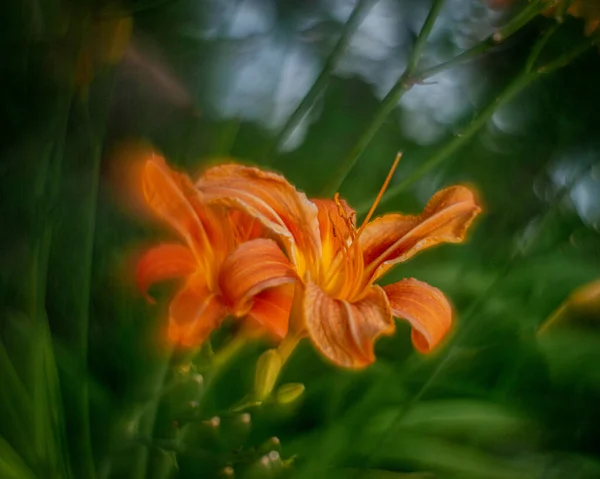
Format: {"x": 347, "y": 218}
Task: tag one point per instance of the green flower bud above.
{"x": 267, "y": 371}
{"x": 289, "y": 392}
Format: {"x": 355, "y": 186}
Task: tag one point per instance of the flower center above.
{"x": 344, "y": 273}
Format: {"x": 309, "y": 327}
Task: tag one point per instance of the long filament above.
{"x": 380, "y": 194}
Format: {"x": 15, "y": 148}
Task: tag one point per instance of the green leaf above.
{"x": 430, "y": 453}
{"x": 12, "y": 465}
{"x": 49, "y": 422}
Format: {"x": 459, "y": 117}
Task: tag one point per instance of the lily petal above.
{"x": 166, "y": 261}
{"x": 334, "y": 229}
{"x": 172, "y": 196}
{"x": 194, "y": 313}
{"x": 394, "y": 238}
{"x": 424, "y": 307}
{"x": 271, "y": 309}
{"x": 272, "y": 200}
{"x": 253, "y": 267}
{"x": 346, "y": 332}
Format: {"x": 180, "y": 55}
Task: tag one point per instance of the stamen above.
{"x": 336, "y": 233}
{"x": 342, "y": 213}
{"x": 380, "y": 194}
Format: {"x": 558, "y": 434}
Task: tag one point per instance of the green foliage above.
{"x": 88, "y": 389}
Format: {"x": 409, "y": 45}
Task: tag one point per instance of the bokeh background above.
{"x": 201, "y": 80}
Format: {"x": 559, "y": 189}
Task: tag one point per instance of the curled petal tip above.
{"x": 425, "y": 308}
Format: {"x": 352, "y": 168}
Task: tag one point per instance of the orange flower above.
{"x": 216, "y": 283}
{"x": 337, "y": 303}
{"x": 589, "y": 10}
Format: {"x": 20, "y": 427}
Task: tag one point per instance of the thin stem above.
{"x": 84, "y": 452}
{"x": 46, "y": 190}
{"x": 568, "y": 56}
{"x": 539, "y": 46}
{"x": 387, "y": 105}
{"x": 519, "y": 21}
{"x": 148, "y": 422}
{"x": 411, "y": 77}
{"x": 354, "y": 21}
{"x": 513, "y": 88}
{"x": 473, "y": 52}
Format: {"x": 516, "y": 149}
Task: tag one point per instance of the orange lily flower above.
{"x": 215, "y": 238}
{"x": 337, "y": 303}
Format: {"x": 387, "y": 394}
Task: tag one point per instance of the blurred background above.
{"x": 303, "y": 87}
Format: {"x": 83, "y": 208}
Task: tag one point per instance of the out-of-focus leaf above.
{"x": 434, "y": 454}
{"x": 49, "y": 424}
{"x": 580, "y": 309}
{"x": 572, "y": 356}
{"x": 350, "y": 473}
{"x": 15, "y": 405}
{"x": 462, "y": 417}
{"x": 12, "y": 465}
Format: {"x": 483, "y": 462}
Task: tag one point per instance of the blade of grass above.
{"x": 16, "y": 406}
{"x": 50, "y": 457}
{"x": 354, "y": 21}
{"x": 81, "y": 306}
{"x": 48, "y": 411}
{"x": 12, "y": 465}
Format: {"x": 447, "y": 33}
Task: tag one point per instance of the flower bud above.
{"x": 288, "y": 393}
{"x": 267, "y": 371}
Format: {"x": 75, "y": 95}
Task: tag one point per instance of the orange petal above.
{"x": 330, "y": 218}
{"x": 253, "y": 267}
{"x": 194, "y": 313}
{"x": 246, "y": 227}
{"x": 166, "y": 261}
{"x": 334, "y": 229}
{"x": 424, "y": 307}
{"x": 393, "y": 238}
{"x": 346, "y": 332}
{"x": 272, "y": 200}
{"x": 271, "y": 309}
{"x": 172, "y": 196}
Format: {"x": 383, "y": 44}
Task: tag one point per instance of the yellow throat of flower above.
{"x": 342, "y": 267}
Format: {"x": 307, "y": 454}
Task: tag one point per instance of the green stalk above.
{"x": 47, "y": 429}
{"x": 387, "y": 105}
{"x": 82, "y": 305}
{"x": 354, "y": 21}
{"x": 513, "y": 88}
{"x": 411, "y": 76}
{"x": 161, "y": 466}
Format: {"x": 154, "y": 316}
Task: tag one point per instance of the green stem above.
{"x": 354, "y": 21}
{"x": 46, "y": 192}
{"x": 149, "y": 411}
{"x": 539, "y": 46}
{"x": 158, "y": 467}
{"x": 519, "y": 21}
{"x": 410, "y": 77}
{"x": 514, "y": 87}
{"x": 569, "y": 56}
{"x": 387, "y": 105}
{"x": 84, "y": 452}
{"x": 473, "y": 52}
